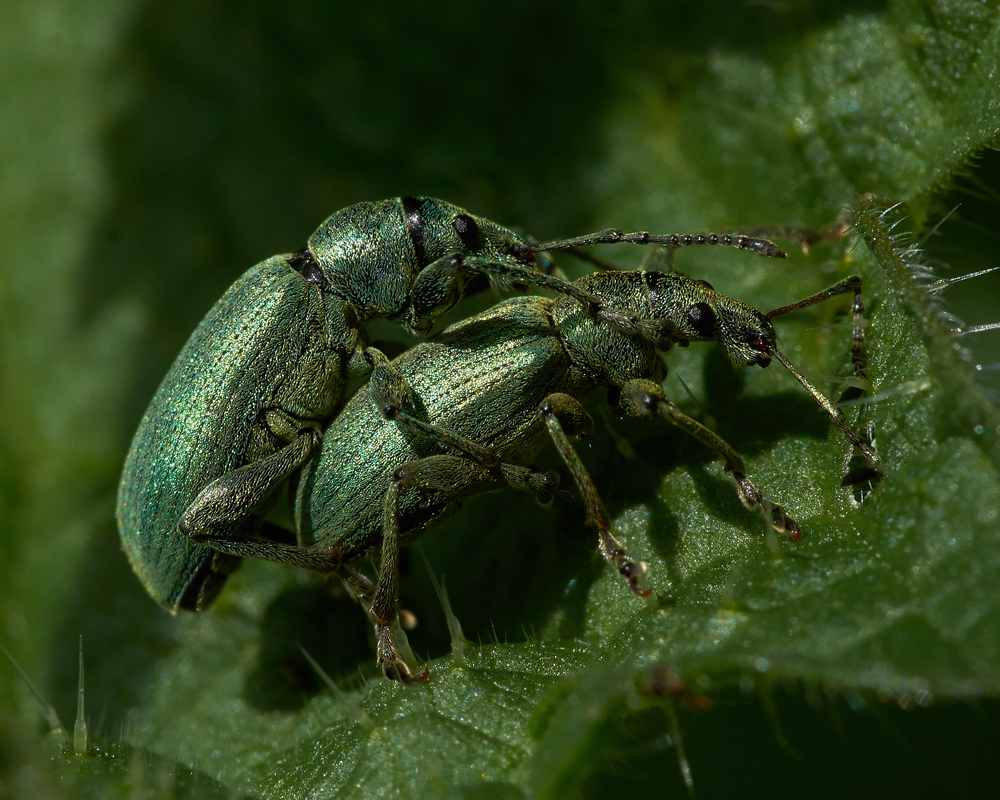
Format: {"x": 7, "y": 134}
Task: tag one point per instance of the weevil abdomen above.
{"x": 202, "y": 422}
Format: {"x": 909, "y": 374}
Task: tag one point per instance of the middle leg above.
{"x": 643, "y": 398}
{"x": 452, "y": 478}
{"x": 564, "y": 417}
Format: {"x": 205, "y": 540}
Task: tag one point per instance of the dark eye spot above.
{"x": 467, "y": 230}
{"x": 413, "y": 216}
{"x": 701, "y": 317}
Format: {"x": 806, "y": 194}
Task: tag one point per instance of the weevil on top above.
{"x": 468, "y": 412}
{"x": 243, "y": 406}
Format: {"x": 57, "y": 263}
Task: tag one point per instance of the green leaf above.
{"x": 152, "y": 151}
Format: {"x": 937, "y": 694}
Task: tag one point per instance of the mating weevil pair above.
{"x": 243, "y": 407}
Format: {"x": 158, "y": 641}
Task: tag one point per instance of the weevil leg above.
{"x": 233, "y": 498}
{"x": 863, "y": 469}
{"x": 383, "y": 599}
{"x": 565, "y": 416}
{"x": 643, "y": 398}
{"x": 325, "y": 560}
{"x": 445, "y": 473}
{"x": 457, "y": 477}
{"x": 451, "y": 477}
{"x": 224, "y": 514}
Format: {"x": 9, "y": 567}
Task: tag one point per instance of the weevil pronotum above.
{"x": 468, "y": 411}
{"x": 242, "y": 407}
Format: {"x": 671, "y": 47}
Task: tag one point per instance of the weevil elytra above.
{"x": 468, "y": 411}
{"x": 242, "y": 407}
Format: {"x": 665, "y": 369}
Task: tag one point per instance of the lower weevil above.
{"x": 468, "y": 412}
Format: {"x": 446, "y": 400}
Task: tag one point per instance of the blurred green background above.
{"x": 152, "y": 151}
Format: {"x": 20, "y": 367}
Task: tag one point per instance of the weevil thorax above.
{"x": 605, "y": 352}
{"x": 371, "y": 255}
{"x": 701, "y": 314}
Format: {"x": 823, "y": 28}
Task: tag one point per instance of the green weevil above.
{"x": 468, "y": 411}
{"x": 242, "y": 407}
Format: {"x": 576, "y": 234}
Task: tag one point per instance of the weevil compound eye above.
{"x": 701, "y": 317}
{"x": 467, "y": 230}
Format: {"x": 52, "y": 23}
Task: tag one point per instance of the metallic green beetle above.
{"x": 468, "y": 411}
{"x": 242, "y": 407}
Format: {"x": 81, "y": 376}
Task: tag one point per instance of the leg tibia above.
{"x": 325, "y": 560}
{"x": 232, "y": 498}
{"x": 383, "y": 599}
{"x": 556, "y": 409}
{"x": 643, "y": 398}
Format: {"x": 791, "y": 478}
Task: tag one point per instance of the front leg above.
{"x": 452, "y": 478}
{"x": 643, "y": 398}
{"x": 383, "y": 602}
{"x": 565, "y": 416}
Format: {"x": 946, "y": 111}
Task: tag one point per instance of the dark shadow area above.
{"x": 839, "y": 746}
{"x": 718, "y": 494}
{"x": 509, "y": 566}
{"x": 664, "y": 534}
{"x": 328, "y": 624}
{"x": 751, "y": 424}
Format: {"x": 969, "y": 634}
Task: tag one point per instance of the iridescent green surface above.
{"x": 242, "y": 406}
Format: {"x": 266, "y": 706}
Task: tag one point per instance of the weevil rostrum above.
{"x": 243, "y": 406}
{"x": 468, "y": 411}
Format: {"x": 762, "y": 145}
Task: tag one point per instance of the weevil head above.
{"x": 456, "y": 250}
{"x": 667, "y": 308}
{"x": 701, "y": 314}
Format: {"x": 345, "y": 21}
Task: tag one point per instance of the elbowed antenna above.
{"x": 762, "y": 247}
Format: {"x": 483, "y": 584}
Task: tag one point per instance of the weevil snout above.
{"x": 747, "y": 336}
{"x": 759, "y": 342}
